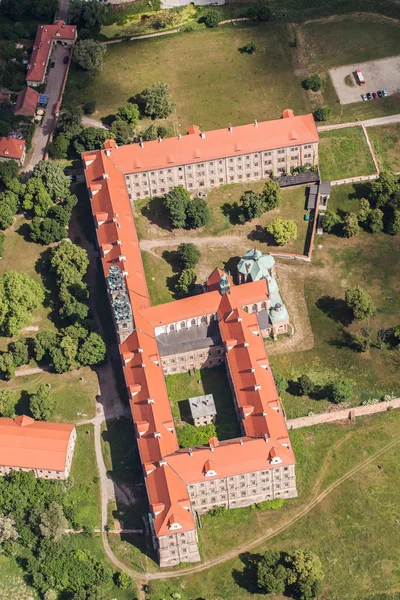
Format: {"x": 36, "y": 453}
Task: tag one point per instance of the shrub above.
{"x": 322, "y": 114}
{"x": 20, "y": 352}
{"x": 306, "y": 385}
{"x": 270, "y": 504}
{"x": 211, "y": 18}
{"x": 341, "y": 390}
{"x": 89, "y": 108}
{"x": 314, "y": 83}
{"x": 281, "y": 383}
{"x": 123, "y": 581}
{"x": 360, "y": 302}
{"x": 248, "y": 48}
{"x": 189, "y": 435}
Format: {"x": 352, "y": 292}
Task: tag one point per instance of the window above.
{"x": 243, "y": 494}
{"x": 183, "y": 324}
{"x": 172, "y": 327}
{"x": 254, "y": 308}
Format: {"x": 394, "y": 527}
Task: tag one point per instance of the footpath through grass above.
{"x": 385, "y": 141}
{"x": 344, "y": 153}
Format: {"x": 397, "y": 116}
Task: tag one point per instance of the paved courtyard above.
{"x": 381, "y": 74}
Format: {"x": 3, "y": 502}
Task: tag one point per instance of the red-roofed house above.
{"x": 222, "y": 325}
{"x": 44, "y": 448}
{"x": 46, "y": 36}
{"x": 12, "y": 149}
{"x": 27, "y": 101}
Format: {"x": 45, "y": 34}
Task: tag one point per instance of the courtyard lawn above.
{"x": 344, "y": 153}
{"x": 352, "y": 528}
{"x": 385, "y": 141}
{"x": 206, "y": 381}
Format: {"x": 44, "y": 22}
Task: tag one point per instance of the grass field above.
{"x": 213, "y": 84}
{"x": 369, "y": 260}
{"x": 350, "y": 530}
{"x": 344, "y": 153}
{"x": 206, "y": 381}
{"x": 385, "y": 141}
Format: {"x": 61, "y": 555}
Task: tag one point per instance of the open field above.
{"x": 344, "y": 153}
{"x": 213, "y": 84}
{"x": 350, "y": 530}
{"x": 385, "y": 141}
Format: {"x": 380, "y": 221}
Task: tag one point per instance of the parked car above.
{"x": 384, "y": 92}
{"x": 53, "y": 64}
{"x": 66, "y": 60}
{"x": 374, "y": 95}
{"x": 369, "y": 96}
{"x": 379, "y": 93}
{"x": 364, "y": 97}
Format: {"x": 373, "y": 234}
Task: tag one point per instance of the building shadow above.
{"x": 231, "y": 267}
{"x": 336, "y": 309}
{"x": 215, "y": 381}
{"x": 155, "y": 212}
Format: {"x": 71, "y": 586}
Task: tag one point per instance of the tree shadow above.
{"x": 155, "y": 212}
{"x": 360, "y": 190}
{"x": 293, "y": 388}
{"x": 171, "y": 283}
{"x": 22, "y": 406}
{"x": 260, "y": 234}
{"x": 231, "y": 266}
{"x": 336, "y": 309}
{"x": 108, "y": 120}
{"x": 232, "y": 211}
{"x": 247, "y": 578}
{"x": 172, "y": 258}
{"x": 24, "y": 231}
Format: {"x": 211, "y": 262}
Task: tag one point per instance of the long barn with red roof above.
{"x": 226, "y": 324}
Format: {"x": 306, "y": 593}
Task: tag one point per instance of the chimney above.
{"x": 150, "y": 400}
{"x": 141, "y": 142}
{"x": 180, "y": 136}
{"x": 241, "y": 442}
{"x": 159, "y": 139}
{"x": 190, "y": 450}
{"x": 230, "y": 128}
{"x": 255, "y": 123}
{"x": 203, "y": 136}
{"x": 257, "y": 387}
{"x": 140, "y": 350}
{"x": 266, "y": 438}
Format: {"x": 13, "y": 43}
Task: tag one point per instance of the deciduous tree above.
{"x": 92, "y": 351}
{"x": 122, "y": 132}
{"x": 313, "y": 82}
{"x": 42, "y": 404}
{"x": 197, "y": 213}
{"x": 53, "y": 522}
{"x": 91, "y": 138}
{"x": 350, "y": 225}
{"x": 252, "y": 206}
{"x": 186, "y": 281}
{"x": 19, "y": 296}
{"x": 323, "y": 113}
{"x": 53, "y": 178}
{"x": 360, "y": 303}
{"x": 176, "y": 202}
{"x": 375, "y": 220}
{"x": 8, "y": 531}
{"x": 282, "y": 230}
{"x": 383, "y": 188}
{"x": 271, "y": 194}
{"x": 69, "y": 262}
{"x": 189, "y": 255}
{"x": 7, "y": 403}
{"x": 341, "y": 390}
{"x": 87, "y": 14}
{"x": 156, "y": 101}
{"x": 46, "y": 231}
{"x": 306, "y": 385}
{"x": 329, "y": 220}
{"x": 19, "y": 351}
{"x": 88, "y": 54}
{"x": 129, "y": 113}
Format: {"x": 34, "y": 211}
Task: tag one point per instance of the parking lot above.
{"x": 381, "y": 74}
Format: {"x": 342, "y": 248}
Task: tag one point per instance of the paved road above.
{"x": 366, "y": 123}
{"x": 53, "y": 89}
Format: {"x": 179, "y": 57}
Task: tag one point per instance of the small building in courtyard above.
{"x": 203, "y": 410}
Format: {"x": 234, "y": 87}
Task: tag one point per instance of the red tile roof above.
{"x": 42, "y": 46}
{"x": 212, "y": 145}
{"x": 32, "y": 444}
{"x": 168, "y": 469}
{"x": 11, "y": 148}
{"x": 26, "y": 102}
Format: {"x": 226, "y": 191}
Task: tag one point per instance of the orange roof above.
{"x": 212, "y": 145}
{"x": 42, "y": 46}
{"x": 32, "y": 444}
{"x": 27, "y": 100}
{"x": 11, "y": 148}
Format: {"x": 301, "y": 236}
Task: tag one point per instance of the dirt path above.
{"x": 90, "y": 122}
{"x": 149, "y": 245}
{"x": 270, "y": 533}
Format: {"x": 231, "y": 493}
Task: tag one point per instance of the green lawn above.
{"x": 206, "y": 381}
{"x": 385, "y": 141}
{"x": 350, "y": 530}
{"x": 344, "y": 153}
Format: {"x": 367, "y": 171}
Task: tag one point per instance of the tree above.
{"x": 7, "y": 368}
{"x": 364, "y": 211}
{"x": 19, "y": 351}
{"x": 281, "y": 383}
{"x": 69, "y": 123}
{"x": 393, "y": 223}
{"x": 305, "y": 572}
{"x": 69, "y": 262}
{"x": 58, "y": 360}
{"x": 8, "y": 531}
{"x": 189, "y": 255}
{"x": 306, "y": 385}
{"x": 197, "y": 213}
{"x": 282, "y": 230}
{"x": 123, "y": 581}
{"x": 91, "y": 138}
{"x": 8, "y": 171}
{"x": 264, "y": 12}
{"x": 322, "y": 114}
{"x": 156, "y": 101}
{"x": 252, "y": 205}
{"x": 152, "y": 132}
{"x": 88, "y": 54}
{"x": 53, "y": 522}
{"x": 87, "y": 14}
{"x": 61, "y": 213}
{"x": 350, "y": 225}
{"x": 44, "y": 342}
{"x": 129, "y": 113}
{"x": 382, "y": 335}
{"x": 59, "y": 147}
{"x": 341, "y": 390}
{"x": 189, "y": 435}
{"x": 46, "y": 231}
{"x": 7, "y": 403}
{"x": 271, "y": 579}
{"x": 360, "y": 303}
{"x": 44, "y": 9}
{"x": 42, "y": 404}
{"x": 383, "y": 188}
{"x": 73, "y": 300}
{"x": 248, "y": 48}
{"x": 122, "y": 132}
{"x": 90, "y": 107}
{"x": 313, "y": 82}
{"x": 176, "y": 202}
{"x": 92, "y": 351}
{"x": 2, "y": 238}
{"x": 361, "y": 339}
{"x": 6, "y": 215}
{"x": 329, "y": 220}
{"x": 211, "y": 18}
{"x": 53, "y": 178}
{"x": 19, "y": 296}
{"x": 36, "y": 198}
{"x": 375, "y": 220}
{"x": 186, "y": 281}
{"x": 271, "y": 194}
